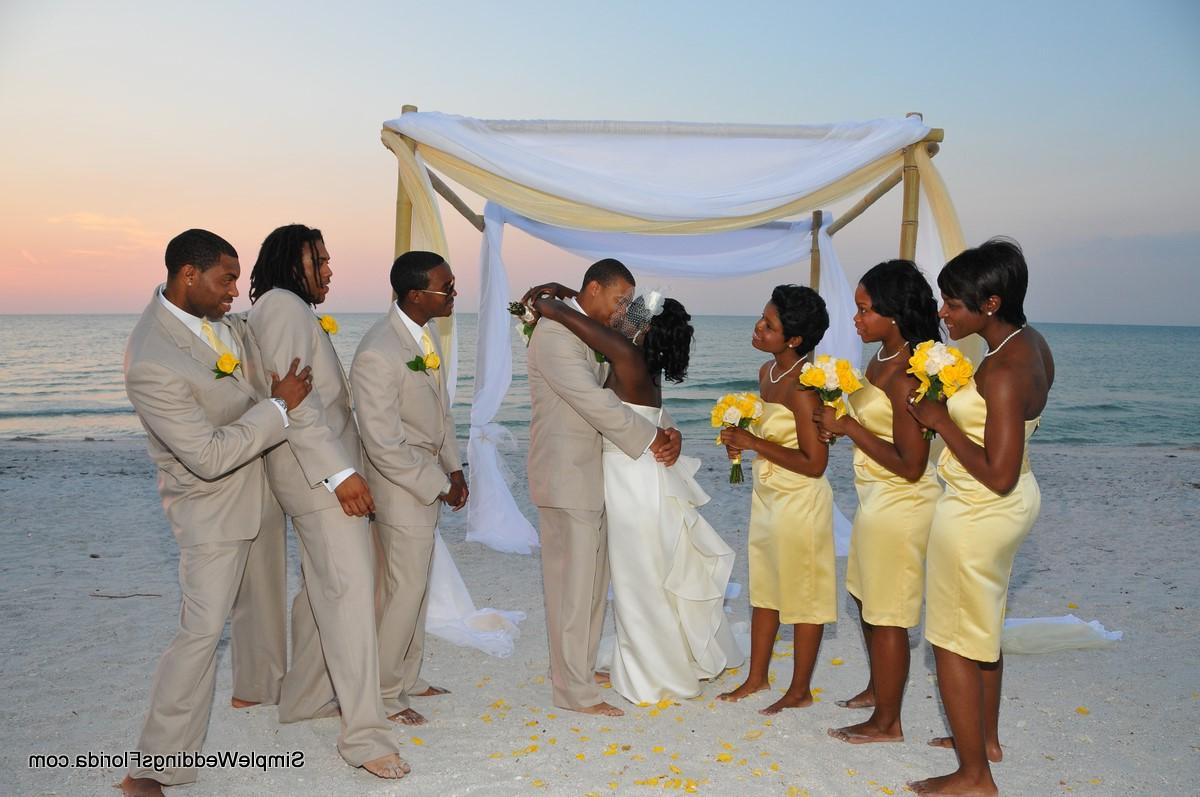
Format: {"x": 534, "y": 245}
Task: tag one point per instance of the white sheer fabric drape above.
{"x": 495, "y": 520}
{"x": 664, "y": 170}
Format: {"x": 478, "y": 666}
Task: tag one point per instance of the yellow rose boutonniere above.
{"x": 430, "y": 362}
{"x": 329, "y": 324}
{"x": 226, "y": 364}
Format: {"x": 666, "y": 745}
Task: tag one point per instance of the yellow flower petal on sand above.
{"x": 496, "y": 755}
{"x": 678, "y": 719}
{"x": 724, "y": 757}
{"x": 551, "y": 716}
{"x": 1072, "y": 605}
{"x": 664, "y": 703}
{"x": 851, "y": 772}
{"x": 552, "y": 740}
{"x": 675, "y": 769}
{"x": 531, "y": 723}
{"x": 774, "y": 767}
{"x": 537, "y": 783}
{"x": 485, "y": 717}
{"x": 1082, "y": 711}
{"x": 886, "y": 790}
{"x": 1096, "y": 781}
{"x": 727, "y": 745}
{"x": 836, "y": 662}
{"x": 752, "y": 735}
{"x": 658, "y": 748}
{"x": 581, "y": 756}
{"x": 417, "y": 740}
{"x": 612, "y": 784}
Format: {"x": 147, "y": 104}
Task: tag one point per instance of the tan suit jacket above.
{"x": 205, "y": 435}
{"x": 571, "y": 412}
{"x": 405, "y": 423}
{"x": 322, "y": 438}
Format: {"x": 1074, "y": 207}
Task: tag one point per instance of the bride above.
{"x": 669, "y": 567}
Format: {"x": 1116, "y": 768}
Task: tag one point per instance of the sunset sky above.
{"x": 1071, "y": 126}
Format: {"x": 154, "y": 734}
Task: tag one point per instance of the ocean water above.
{"x": 60, "y": 378}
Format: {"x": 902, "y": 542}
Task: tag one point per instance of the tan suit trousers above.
{"x": 258, "y": 625}
{"x": 334, "y": 649}
{"x": 575, "y": 585}
{"x": 403, "y": 599}
{"x": 182, "y": 692}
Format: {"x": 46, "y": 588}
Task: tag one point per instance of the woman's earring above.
{"x": 893, "y": 322}
{"x": 989, "y": 312}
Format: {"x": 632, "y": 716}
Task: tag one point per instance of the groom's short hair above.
{"x": 606, "y": 272}
{"x": 199, "y": 248}
{"x": 410, "y": 272}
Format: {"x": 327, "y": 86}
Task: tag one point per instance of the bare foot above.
{"x": 864, "y": 699}
{"x": 602, "y": 678}
{"x": 408, "y": 717}
{"x": 743, "y": 691}
{"x": 140, "y": 787}
{"x": 958, "y": 785}
{"x": 389, "y": 767}
{"x": 601, "y": 709}
{"x": 865, "y": 733}
{"x": 237, "y": 702}
{"x": 788, "y": 700}
{"x": 994, "y": 753}
{"x": 432, "y": 691}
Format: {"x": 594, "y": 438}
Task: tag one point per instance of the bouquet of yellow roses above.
{"x": 831, "y": 379}
{"x": 942, "y": 371}
{"x": 740, "y": 410}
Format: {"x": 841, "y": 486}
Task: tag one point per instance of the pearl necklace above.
{"x": 892, "y": 356}
{"x": 1011, "y": 335}
{"x": 771, "y": 374}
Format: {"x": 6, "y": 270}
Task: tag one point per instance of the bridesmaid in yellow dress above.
{"x": 791, "y": 553}
{"x": 990, "y": 503}
{"x": 897, "y": 490}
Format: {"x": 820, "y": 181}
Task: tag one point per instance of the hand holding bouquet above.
{"x": 740, "y": 410}
{"x": 831, "y": 379}
{"x": 526, "y": 321}
{"x": 942, "y": 371}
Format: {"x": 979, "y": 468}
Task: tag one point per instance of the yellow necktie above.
{"x": 426, "y": 342}
{"x": 213, "y": 340}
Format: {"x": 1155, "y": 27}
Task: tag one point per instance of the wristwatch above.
{"x": 280, "y": 403}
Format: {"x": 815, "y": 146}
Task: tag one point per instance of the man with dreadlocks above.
{"x": 317, "y": 478}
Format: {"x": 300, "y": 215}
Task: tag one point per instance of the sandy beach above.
{"x": 81, "y": 520}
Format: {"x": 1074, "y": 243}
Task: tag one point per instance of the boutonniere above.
{"x": 329, "y": 324}
{"x": 226, "y": 364}
{"x": 430, "y": 362}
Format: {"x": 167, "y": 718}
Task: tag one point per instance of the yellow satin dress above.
{"x": 886, "y": 566}
{"x": 973, "y": 541}
{"x": 792, "y": 560}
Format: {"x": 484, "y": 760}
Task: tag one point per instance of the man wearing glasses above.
{"x": 412, "y": 464}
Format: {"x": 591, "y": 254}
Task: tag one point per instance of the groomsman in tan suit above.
{"x": 190, "y": 375}
{"x": 317, "y": 477}
{"x": 571, "y": 412}
{"x": 412, "y": 464}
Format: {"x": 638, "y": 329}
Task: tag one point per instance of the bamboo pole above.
{"x": 455, "y": 200}
{"x": 875, "y": 194}
{"x": 403, "y": 240}
{"x": 814, "y": 254}
{"x": 912, "y": 201}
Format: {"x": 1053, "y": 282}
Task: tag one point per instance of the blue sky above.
{"x": 1069, "y": 125}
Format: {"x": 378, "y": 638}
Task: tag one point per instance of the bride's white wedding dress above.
{"x": 669, "y": 571}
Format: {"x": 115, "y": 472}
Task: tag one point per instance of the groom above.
{"x": 571, "y": 412}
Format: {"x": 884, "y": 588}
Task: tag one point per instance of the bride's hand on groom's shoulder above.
{"x": 553, "y": 289}
{"x": 666, "y": 446}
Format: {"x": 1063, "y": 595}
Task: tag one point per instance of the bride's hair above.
{"x": 667, "y": 344}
